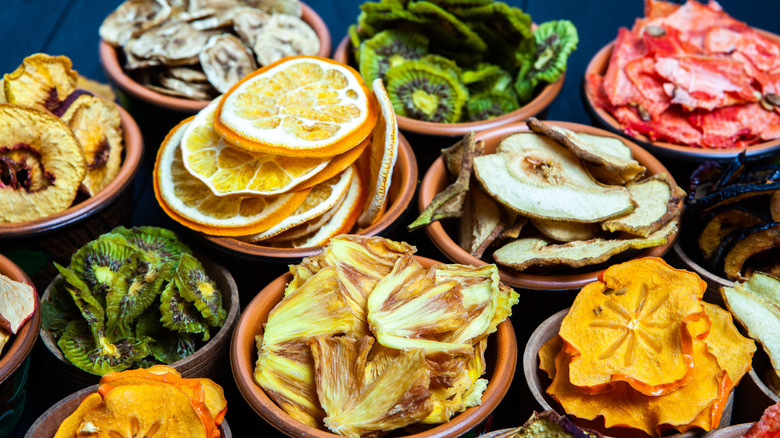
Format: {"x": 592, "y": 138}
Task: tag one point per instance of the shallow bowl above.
{"x": 736, "y": 431}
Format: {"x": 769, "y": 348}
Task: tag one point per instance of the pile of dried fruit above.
{"x": 451, "y": 61}
{"x": 153, "y": 402}
{"x": 641, "y": 350}
{"x": 18, "y": 302}
{"x": 544, "y": 425}
{"x": 692, "y": 75}
{"x": 768, "y": 425}
{"x": 583, "y": 193}
{"x": 132, "y": 297}
{"x": 57, "y": 140}
{"x": 197, "y": 49}
{"x": 367, "y": 340}
{"x": 295, "y": 154}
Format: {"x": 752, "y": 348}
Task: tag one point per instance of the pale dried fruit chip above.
{"x": 17, "y": 303}
{"x": 657, "y": 199}
{"x": 42, "y": 81}
{"x": 225, "y": 60}
{"x": 176, "y": 87}
{"x": 289, "y": 7}
{"x": 97, "y": 88}
{"x": 481, "y": 223}
{"x": 131, "y": 18}
{"x": 285, "y": 35}
{"x": 176, "y": 42}
{"x": 248, "y": 23}
{"x": 566, "y": 231}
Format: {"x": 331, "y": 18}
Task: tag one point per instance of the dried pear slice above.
{"x": 225, "y": 60}
{"x": 131, "y": 18}
{"x": 658, "y": 198}
{"x": 285, "y": 35}
{"x": 481, "y": 223}
{"x": 41, "y": 164}
{"x": 534, "y": 251}
{"x": 42, "y": 81}
{"x": 609, "y": 152}
{"x": 566, "y": 231}
{"x": 453, "y": 155}
{"x": 536, "y": 177}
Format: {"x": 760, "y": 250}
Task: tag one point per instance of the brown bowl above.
{"x": 538, "y": 382}
{"x": 598, "y": 65}
{"x": 109, "y": 59}
{"x": 736, "y": 431}
{"x": 538, "y": 104}
{"x": 208, "y": 361}
{"x": 56, "y": 237}
{"x": 435, "y": 180}
{"x": 400, "y": 194}
{"x": 714, "y": 282}
{"x": 501, "y": 357}
{"x": 47, "y": 424}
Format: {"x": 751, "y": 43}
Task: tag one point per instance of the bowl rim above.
{"x": 109, "y": 60}
{"x": 133, "y": 151}
{"x": 27, "y": 335}
{"x": 539, "y": 103}
{"x": 242, "y": 361}
{"x": 700, "y": 270}
{"x": 539, "y": 282}
{"x": 388, "y": 218}
{"x": 738, "y": 429}
{"x": 598, "y": 65}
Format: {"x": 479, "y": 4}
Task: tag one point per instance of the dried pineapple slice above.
{"x": 42, "y": 81}
{"x": 339, "y": 370}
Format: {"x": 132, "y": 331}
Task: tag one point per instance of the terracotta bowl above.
{"x": 400, "y": 194}
{"x": 47, "y": 424}
{"x": 13, "y": 359}
{"x": 56, "y": 237}
{"x": 112, "y": 66}
{"x": 501, "y": 358}
{"x": 538, "y": 104}
{"x": 736, "y": 431}
{"x": 435, "y": 180}
{"x": 598, "y": 65}
{"x": 208, "y": 361}
{"x": 538, "y": 382}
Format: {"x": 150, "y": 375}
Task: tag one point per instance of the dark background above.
{"x": 70, "y": 27}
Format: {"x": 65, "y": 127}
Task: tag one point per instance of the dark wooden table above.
{"x": 70, "y": 27}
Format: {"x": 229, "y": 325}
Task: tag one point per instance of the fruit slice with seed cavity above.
{"x": 388, "y": 49}
{"x": 229, "y": 170}
{"x": 190, "y": 202}
{"x": 298, "y": 106}
{"x": 426, "y": 92}
{"x": 566, "y": 231}
{"x": 42, "y": 81}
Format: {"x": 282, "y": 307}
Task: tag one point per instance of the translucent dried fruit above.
{"x": 547, "y": 354}
{"x": 225, "y": 60}
{"x": 733, "y": 351}
{"x": 98, "y": 356}
{"x": 17, "y": 303}
{"x": 195, "y": 286}
{"x": 180, "y": 315}
{"x": 42, "y": 81}
{"x": 70, "y": 425}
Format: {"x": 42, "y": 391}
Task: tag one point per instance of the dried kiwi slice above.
{"x": 195, "y": 286}
{"x": 489, "y": 104}
{"x": 376, "y": 17}
{"x": 388, "y": 49}
{"x": 445, "y": 30}
{"x": 161, "y": 245}
{"x": 165, "y": 346}
{"x": 510, "y": 23}
{"x": 93, "y": 313}
{"x": 426, "y": 92}
{"x": 179, "y": 314}
{"x": 58, "y": 309}
{"x": 487, "y": 77}
{"x": 99, "y": 357}
{"x": 98, "y": 262}
{"x": 554, "y": 41}
{"x": 42, "y": 81}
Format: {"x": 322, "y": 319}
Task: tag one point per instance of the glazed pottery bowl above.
{"x": 543, "y": 99}
{"x": 47, "y": 424}
{"x": 36, "y": 244}
{"x": 561, "y": 279}
{"x": 112, "y": 59}
{"x": 501, "y": 357}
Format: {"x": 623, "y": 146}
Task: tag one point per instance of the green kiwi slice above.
{"x": 554, "y": 41}
{"x": 388, "y": 49}
{"x": 487, "y": 77}
{"x": 425, "y": 91}
{"x": 159, "y": 244}
{"x": 445, "y": 30}
{"x": 99, "y": 356}
{"x": 165, "y": 346}
{"x": 98, "y": 262}
{"x": 179, "y": 314}
{"x": 376, "y": 17}
{"x": 59, "y": 309}
{"x": 196, "y": 287}
{"x": 510, "y": 23}
{"x": 489, "y": 104}
{"x": 90, "y": 308}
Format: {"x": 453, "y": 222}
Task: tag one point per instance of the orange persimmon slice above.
{"x": 70, "y": 426}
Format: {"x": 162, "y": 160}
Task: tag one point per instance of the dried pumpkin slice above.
{"x": 41, "y": 164}
{"x": 757, "y": 239}
{"x": 629, "y": 327}
{"x": 566, "y": 231}
{"x": 657, "y": 198}
{"x": 721, "y": 225}
{"x": 69, "y": 426}
{"x": 536, "y": 177}
{"x": 42, "y": 81}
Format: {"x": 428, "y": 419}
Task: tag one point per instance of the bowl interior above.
{"x": 435, "y": 180}
{"x": 501, "y": 357}
{"x": 22, "y": 344}
{"x": 400, "y": 194}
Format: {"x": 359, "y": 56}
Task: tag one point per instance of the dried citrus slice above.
{"x": 228, "y": 170}
{"x": 321, "y": 198}
{"x": 337, "y": 165}
{"x": 41, "y": 164}
{"x": 298, "y": 106}
{"x": 382, "y": 155}
{"x": 42, "y": 81}
{"x": 308, "y": 227}
{"x": 190, "y": 202}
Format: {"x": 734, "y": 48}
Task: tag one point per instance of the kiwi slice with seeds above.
{"x": 445, "y": 30}
{"x": 98, "y": 262}
{"x": 389, "y": 49}
{"x": 444, "y": 63}
{"x": 160, "y": 245}
{"x": 426, "y": 92}
{"x": 376, "y": 17}
{"x": 488, "y": 77}
{"x": 489, "y": 104}
{"x": 554, "y": 41}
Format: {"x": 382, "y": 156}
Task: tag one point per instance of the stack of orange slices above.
{"x": 294, "y": 154}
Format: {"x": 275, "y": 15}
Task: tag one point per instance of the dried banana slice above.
{"x": 288, "y": 7}
{"x": 176, "y": 87}
{"x": 285, "y": 35}
{"x": 41, "y": 164}
{"x": 221, "y": 19}
{"x": 176, "y": 43}
{"x": 188, "y": 73}
{"x": 131, "y": 18}
{"x": 42, "y": 81}
{"x": 225, "y": 60}
{"x": 201, "y": 5}
{"x": 248, "y": 23}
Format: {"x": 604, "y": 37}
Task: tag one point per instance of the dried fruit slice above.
{"x": 566, "y": 231}
{"x": 70, "y": 426}
{"x": 547, "y": 354}
{"x": 225, "y": 60}
{"x": 539, "y": 178}
{"x": 160, "y": 245}
{"x": 481, "y": 223}
{"x": 98, "y": 356}
{"x": 195, "y": 286}
{"x": 41, "y": 164}
{"x": 733, "y": 351}
{"x": 298, "y": 106}
{"x": 630, "y": 327}
{"x": 17, "y": 303}
{"x": 758, "y": 239}
{"x": 426, "y": 92}
{"x": 42, "y": 81}
{"x": 306, "y": 228}
{"x": 657, "y": 199}
{"x": 180, "y": 315}
{"x": 98, "y": 262}
{"x": 284, "y": 36}
{"x": 554, "y": 41}
{"x": 721, "y": 225}
{"x": 131, "y": 18}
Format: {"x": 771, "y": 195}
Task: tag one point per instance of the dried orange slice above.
{"x": 308, "y": 227}
{"x": 303, "y": 106}
{"x": 337, "y": 165}
{"x": 42, "y": 81}
{"x": 382, "y": 155}
{"x": 228, "y": 170}
{"x": 190, "y": 202}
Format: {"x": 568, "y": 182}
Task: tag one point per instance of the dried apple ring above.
{"x": 42, "y": 81}
{"x": 41, "y": 164}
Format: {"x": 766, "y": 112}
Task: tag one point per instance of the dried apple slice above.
{"x": 566, "y": 231}
{"x": 536, "y": 177}
{"x": 657, "y": 198}
{"x": 5, "y": 336}
{"x": 17, "y": 303}
{"x": 42, "y": 81}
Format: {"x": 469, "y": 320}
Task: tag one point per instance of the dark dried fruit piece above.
{"x": 195, "y": 286}
{"x": 754, "y": 241}
{"x": 723, "y": 224}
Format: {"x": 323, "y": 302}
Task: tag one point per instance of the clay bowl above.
{"x": 501, "y": 358}
{"x": 400, "y": 194}
{"x": 538, "y": 104}
{"x": 736, "y": 431}
{"x": 47, "y": 424}
{"x": 207, "y": 361}
{"x": 598, "y": 65}
{"x": 56, "y": 237}
{"x": 13, "y": 360}
{"x": 111, "y": 59}
{"x": 714, "y": 282}
{"x": 538, "y": 383}
{"x": 435, "y": 180}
